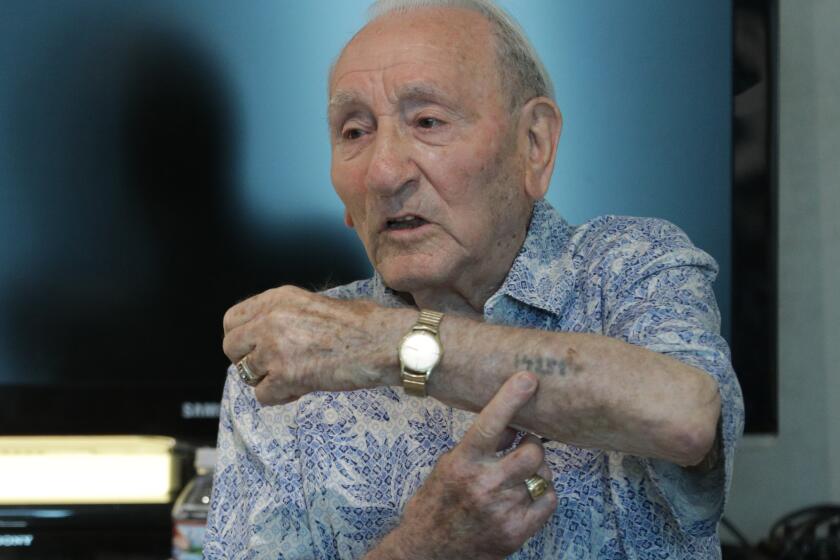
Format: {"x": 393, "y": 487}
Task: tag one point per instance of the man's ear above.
{"x": 540, "y": 123}
{"x": 348, "y": 220}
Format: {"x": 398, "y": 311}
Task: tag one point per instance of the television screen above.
{"x": 161, "y": 161}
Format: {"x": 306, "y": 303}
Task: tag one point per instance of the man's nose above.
{"x": 391, "y": 166}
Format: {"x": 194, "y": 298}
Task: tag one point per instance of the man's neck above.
{"x": 449, "y": 302}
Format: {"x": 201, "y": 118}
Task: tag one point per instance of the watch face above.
{"x": 420, "y": 351}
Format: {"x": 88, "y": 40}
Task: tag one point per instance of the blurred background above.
{"x": 161, "y": 160}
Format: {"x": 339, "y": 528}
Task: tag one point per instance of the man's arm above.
{"x": 595, "y": 391}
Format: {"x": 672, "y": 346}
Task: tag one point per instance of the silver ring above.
{"x": 536, "y": 486}
{"x": 246, "y": 374}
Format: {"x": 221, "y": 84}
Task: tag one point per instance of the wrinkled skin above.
{"x": 303, "y": 342}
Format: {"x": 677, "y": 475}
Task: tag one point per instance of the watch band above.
{"x": 428, "y": 321}
{"x": 414, "y": 383}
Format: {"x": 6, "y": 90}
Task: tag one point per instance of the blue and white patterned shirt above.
{"x": 329, "y": 475}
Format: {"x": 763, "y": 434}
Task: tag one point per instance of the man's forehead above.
{"x": 418, "y": 91}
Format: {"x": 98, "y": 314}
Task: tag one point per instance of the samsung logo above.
{"x": 191, "y": 410}
{"x": 16, "y": 540}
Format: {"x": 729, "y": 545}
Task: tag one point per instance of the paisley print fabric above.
{"x": 328, "y": 476}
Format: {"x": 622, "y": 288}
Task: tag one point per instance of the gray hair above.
{"x": 522, "y": 72}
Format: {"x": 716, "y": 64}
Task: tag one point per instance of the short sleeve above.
{"x": 256, "y": 507}
{"x": 660, "y": 297}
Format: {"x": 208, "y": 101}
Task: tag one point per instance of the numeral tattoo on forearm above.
{"x": 545, "y": 365}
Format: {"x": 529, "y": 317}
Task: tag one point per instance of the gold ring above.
{"x": 246, "y": 374}
{"x": 536, "y": 486}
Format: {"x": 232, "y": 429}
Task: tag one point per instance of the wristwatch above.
{"x": 420, "y": 351}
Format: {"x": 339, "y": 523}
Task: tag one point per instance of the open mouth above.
{"x": 405, "y": 222}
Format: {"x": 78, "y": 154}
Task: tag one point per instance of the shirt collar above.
{"x": 536, "y": 277}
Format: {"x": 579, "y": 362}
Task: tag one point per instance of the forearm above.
{"x": 594, "y": 391}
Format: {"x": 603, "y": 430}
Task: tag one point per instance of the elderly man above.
{"x": 603, "y": 338}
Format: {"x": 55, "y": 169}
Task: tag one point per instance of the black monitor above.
{"x": 126, "y": 235}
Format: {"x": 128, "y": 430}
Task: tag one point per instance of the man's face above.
{"x": 424, "y": 152}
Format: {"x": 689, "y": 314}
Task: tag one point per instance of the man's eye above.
{"x": 428, "y": 122}
{"x": 352, "y": 134}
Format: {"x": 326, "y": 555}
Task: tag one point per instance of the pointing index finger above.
{"x": 486, "y": 433}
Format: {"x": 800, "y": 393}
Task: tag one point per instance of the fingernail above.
{"x": 524, "y": 382}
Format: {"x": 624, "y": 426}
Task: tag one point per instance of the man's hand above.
{"x": 474, "y": 503}
{"x": 303, "y": 342}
